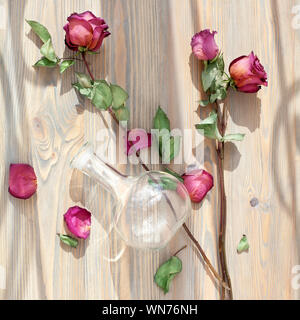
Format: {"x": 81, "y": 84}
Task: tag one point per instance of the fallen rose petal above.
{"x": 78, "y": 221}
{"x": 22, "y": 180}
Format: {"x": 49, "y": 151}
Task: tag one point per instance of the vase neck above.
{"x": 94, "y": 167}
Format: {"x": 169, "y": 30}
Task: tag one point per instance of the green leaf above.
{"x": 65, "y": 65}
{"x": 39, "y": 30}
{"x": 48, "y": 51}
{"x": 243, "y": 245}
{"x": 84, "y": 80}
{"x": 122, "y": 114}
{"x": 220, "y": 62}
{"x": 173, "y": 173}
{"x": 102, "y": 97}
{"x": 166, "y": 273}
{"x": 204, "y": 103}
{"x": 161, "y": 121}
{"x": 72, "y": 242}
{"x": 44, "y": 62}
{"x": 169, "y": 153}
{"x": 236, "y": 137}
{"x": 87, "y": 92}
{"x": 208, "y": 75}
{"x": 119, "y": 96}
{"x": 209, "y": 127}
{"x": 164, "y": 183}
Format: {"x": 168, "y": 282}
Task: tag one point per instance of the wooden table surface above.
{"x": 42, "y": 122}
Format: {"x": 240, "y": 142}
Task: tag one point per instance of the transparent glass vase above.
{"x": 150, "y": 208}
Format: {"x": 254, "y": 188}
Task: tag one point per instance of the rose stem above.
{"x": 176, "y": 253}
{"x": 222, "y": 226}
{"x": 147, "y": 169}
{"x": 87, "y": 66}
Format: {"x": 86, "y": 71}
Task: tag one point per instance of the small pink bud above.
{"x": 137, "y": 139}
{"x": 78, "y": 221}
{"x": 22, "y": 180}
{"x": 198, "y": 182}
{"x": 204, "y": 45}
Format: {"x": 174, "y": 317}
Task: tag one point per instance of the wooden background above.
{"x": 42, "y": 122}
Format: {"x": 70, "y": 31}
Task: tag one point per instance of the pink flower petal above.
{"x": 198, "y": 183}
{"x": 87, "y": 15}
{"x": 138, "y": 139}
{"x": 22, "y": 181}
{"x": 248, "y": 73}
{"x": 80, "y": 32}
{"x": 204, "y": 46}
{"x": 67, "y": 39}
{"x": 78, "y": 221}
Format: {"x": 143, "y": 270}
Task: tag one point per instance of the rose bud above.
{"x": 85, "y": 30}
{"x": 198, "y": 183}
{"x": 78, "y": 221}
{"x": 22, "y": 181}
{"x": 137, "y": 139}
{"x": 248, "y": 74}
{"x": 204, "y": 45}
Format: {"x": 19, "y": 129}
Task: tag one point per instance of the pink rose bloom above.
{"x": 138, "y": 138}
{"x": 22, "y": 181}
{"x": 85, "y": 30}
{"x": 248, "y": 74}
{"x": 78, "y": 221}
{"x": 204, "y": 45}
{"x": 198, "y": 182}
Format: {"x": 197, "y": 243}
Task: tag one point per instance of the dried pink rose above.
{"x": 204, "y": 45}
{"x": 198, "y": 182}
{"x": 22, "y": 180}
{"x": 248, "y": 74}
{"x": 78, "y": 221}
{"x": 137, "y": 139}
{"x": 85, "y": 30}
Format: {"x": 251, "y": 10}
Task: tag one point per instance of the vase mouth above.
{"x": 81, "y": 156}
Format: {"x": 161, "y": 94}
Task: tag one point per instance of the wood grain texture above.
{"x": 43, "y": 122}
